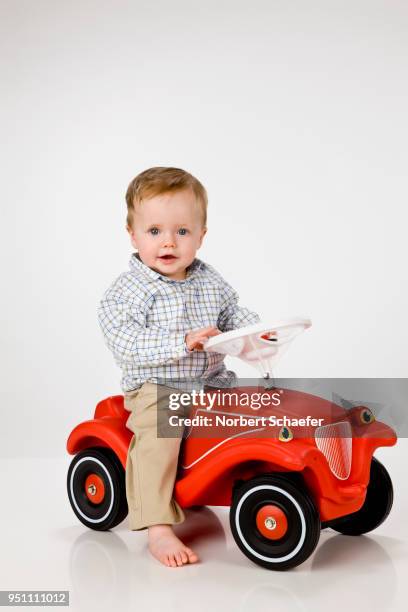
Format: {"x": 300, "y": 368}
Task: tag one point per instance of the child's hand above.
{"x": 195, "y": 339}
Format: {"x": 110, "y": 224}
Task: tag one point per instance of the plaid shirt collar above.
{"x": 137, "y": 265}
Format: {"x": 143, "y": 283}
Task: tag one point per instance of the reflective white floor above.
{"x": 43, "y": 546}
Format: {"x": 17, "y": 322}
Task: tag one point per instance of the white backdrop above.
{"x": 292, "y": 114}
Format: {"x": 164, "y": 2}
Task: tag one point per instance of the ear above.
{"x": 132, "y": 236}
{"x": 203, "y": 233}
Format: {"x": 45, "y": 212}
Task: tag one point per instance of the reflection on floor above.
{"x": 45, "y": 547}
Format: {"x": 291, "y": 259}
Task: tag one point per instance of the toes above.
{"x": 192, "y": 555}
{"x": 184, "y": 556}
{"x": 179, "y": 559}
{"x": 173, "y": 561}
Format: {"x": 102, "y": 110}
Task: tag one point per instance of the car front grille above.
{"x": 335, "y": 442}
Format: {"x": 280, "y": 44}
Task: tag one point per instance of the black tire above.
{"x": 303, "y": 522}
{"x": 376, "y": 508}
{"x": 113, "y": 508}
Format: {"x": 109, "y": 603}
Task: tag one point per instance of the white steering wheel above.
{"x": 260, "y": 344}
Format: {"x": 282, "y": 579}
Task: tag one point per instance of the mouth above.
{"x": 167, "y": 258}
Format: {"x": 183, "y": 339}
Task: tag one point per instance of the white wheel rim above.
{"x": 71, "y": 486}
{"x": 302, "y": 521}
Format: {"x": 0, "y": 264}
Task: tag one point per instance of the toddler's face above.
{"x": 167, "y": 231}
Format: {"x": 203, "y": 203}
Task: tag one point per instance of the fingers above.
{"x": 196, "y": 338}
{"x": 198, "y": 344}
{"x": 214, "y": 332}
{"x": 206, "y": 332}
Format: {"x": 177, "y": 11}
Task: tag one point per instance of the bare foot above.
{"x": 167, "y": 548}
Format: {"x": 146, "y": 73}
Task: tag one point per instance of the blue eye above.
{"x": 183, "y": 231}
{"x": 154, "y": 231}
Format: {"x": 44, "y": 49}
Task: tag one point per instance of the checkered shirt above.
{"x": 144, "y": 317}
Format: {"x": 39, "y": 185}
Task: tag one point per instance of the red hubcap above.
{"x": 94, "y": 488}
{"x": 272, "y": 522}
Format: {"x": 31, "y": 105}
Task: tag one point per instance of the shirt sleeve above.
{"x": 233, "y": 316}
{"x": 126, "y": 334}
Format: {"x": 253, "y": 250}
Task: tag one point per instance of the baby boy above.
{"x": 155, "y": 319}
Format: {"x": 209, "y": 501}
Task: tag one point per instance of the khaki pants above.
{"x": 151, "y": 466}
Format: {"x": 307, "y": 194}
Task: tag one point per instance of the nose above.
{"x": 169, "y": 240}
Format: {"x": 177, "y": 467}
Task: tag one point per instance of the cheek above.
{"x": 188, "y": 246}
{"x": 146, "y": 245}
{"x": 192, "y": 243}
{"x": 151, "y": 247}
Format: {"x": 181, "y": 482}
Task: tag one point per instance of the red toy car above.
{"x": 282, "y": 486}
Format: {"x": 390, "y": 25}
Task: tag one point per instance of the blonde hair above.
{"x": 158, "y": 180}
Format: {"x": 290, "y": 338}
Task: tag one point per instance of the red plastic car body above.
{"x": 334, "y": 481}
